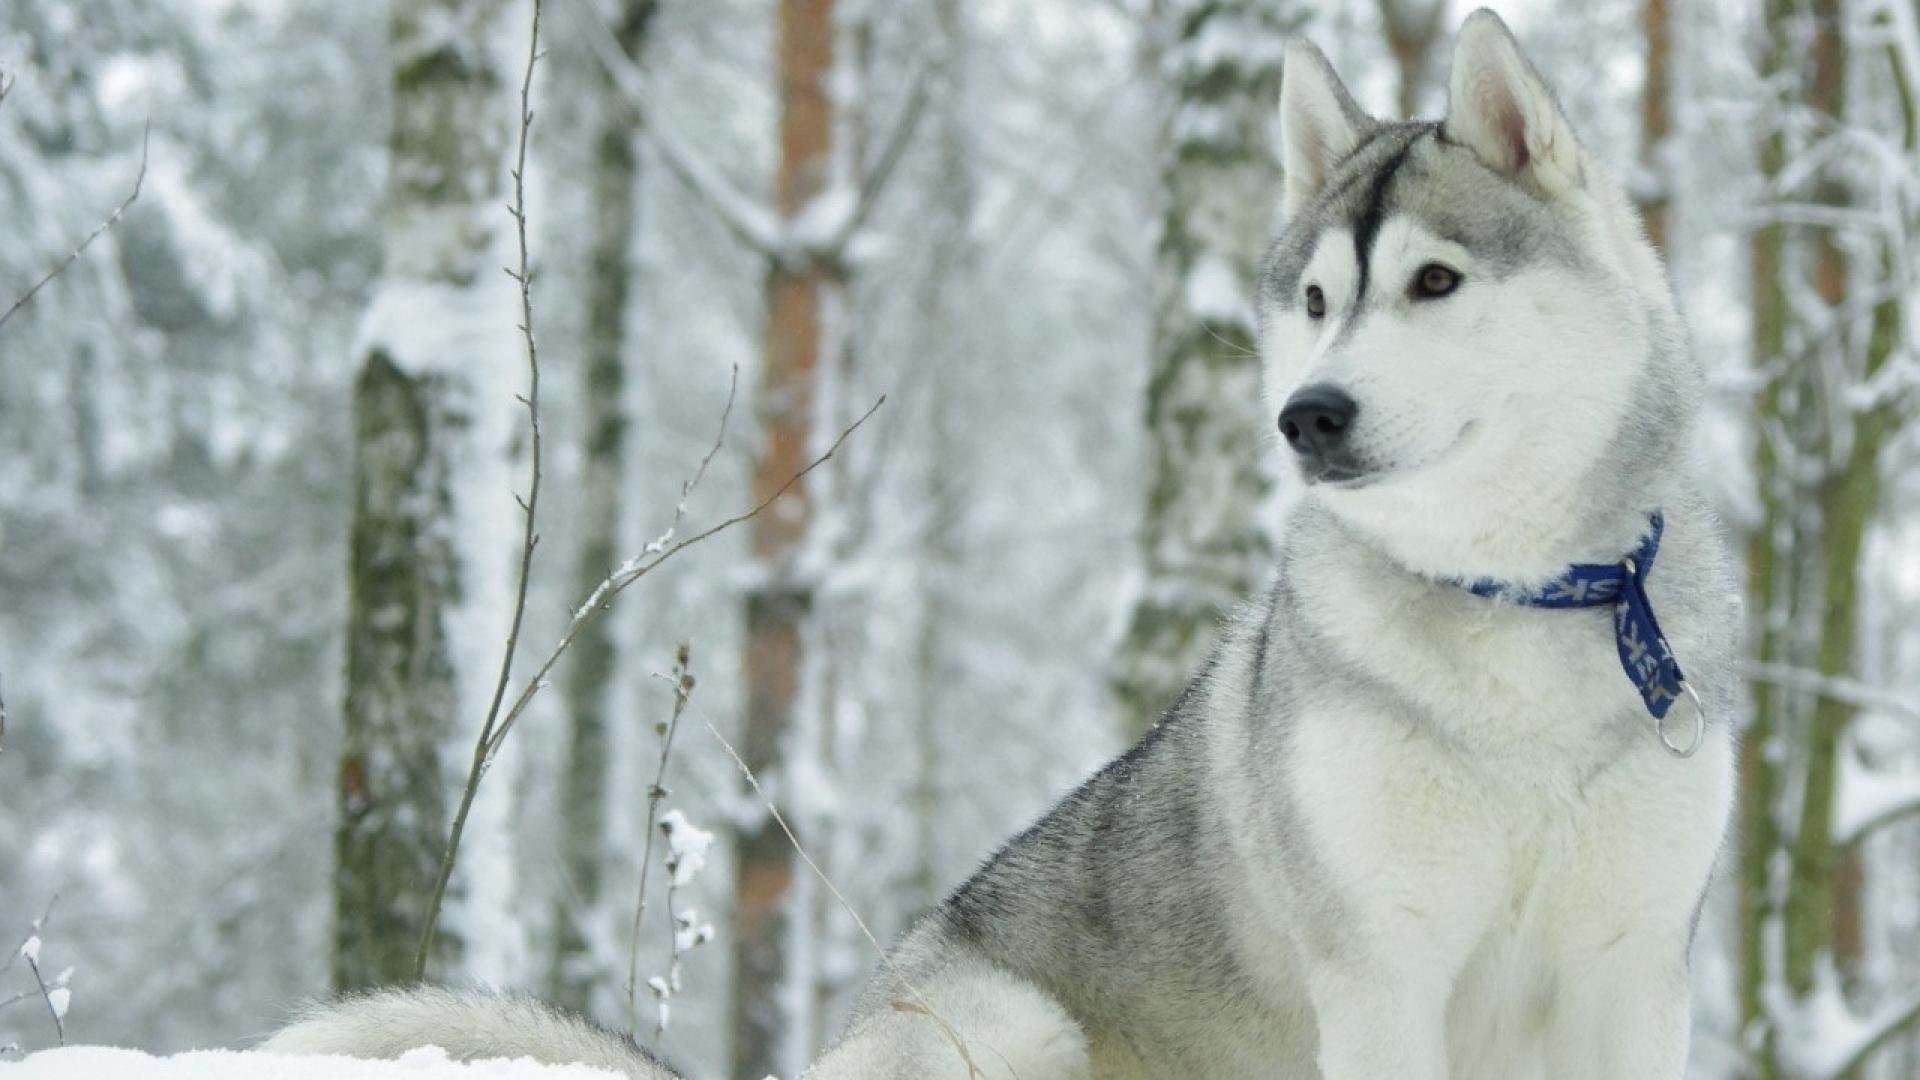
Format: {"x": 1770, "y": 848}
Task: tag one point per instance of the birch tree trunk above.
{"x": 1204, "y": 544}
{"x": 436, "y": 336}
{"x": 778, "y": 604}
{"x": 573, "y": 970}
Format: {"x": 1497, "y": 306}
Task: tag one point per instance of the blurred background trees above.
{"x": 256, "y": 500}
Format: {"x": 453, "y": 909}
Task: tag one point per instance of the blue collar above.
{"x": 1644, "y": 653}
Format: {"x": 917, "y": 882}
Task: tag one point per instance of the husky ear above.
{"x": 1319, "y": 123}
{"x": 1500, "y": 108}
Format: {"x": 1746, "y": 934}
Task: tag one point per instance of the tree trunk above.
{"x": 1656, "y": 118}
{"x": 1811, "y": 900}
{"x": 1205, "y": 547}
{"x": 574, "y": 971}
{"x": 1411, "y": 27}
{"x": 1823, "y": 906}
{"x": 949, "y": 276}
{"x": 417, "y": 459}
{"x": 1770, "y": 567}
{"x": 778, "y": 604}
{"x": 837, "y": 634}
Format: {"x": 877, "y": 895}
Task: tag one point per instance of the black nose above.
{"x": 1316, "y": 418}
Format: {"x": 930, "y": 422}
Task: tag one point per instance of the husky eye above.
{"x": 1316, "y": 302}
{"x": 1435, "y": 281}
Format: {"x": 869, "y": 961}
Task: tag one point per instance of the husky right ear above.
{"x": 1499, "y": 107}
{"x": 1319, "y": 123}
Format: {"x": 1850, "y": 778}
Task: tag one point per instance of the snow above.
{"x": 687, "y": 846}
{"x": 31, "y": 949}
{"x": 429, "y": 1063}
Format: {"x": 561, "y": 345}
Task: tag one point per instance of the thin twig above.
{"x": 684, "y": 933}
{"x": 919, "y": 1003}
{"x": 529, "y": 506}
{"x": 892, "y": 150}
{"x": 693, "y": 479}
{"x": 682, "y": 691}
{"x": 640, "y": 566}
{"x": 30, "y": 934}
{"x": 25, "y": 951}
{"x": 59, "y": 268}
{"x": 46, "y": 995}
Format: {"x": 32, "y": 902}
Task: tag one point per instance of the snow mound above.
{"x": 427, "y": 1063}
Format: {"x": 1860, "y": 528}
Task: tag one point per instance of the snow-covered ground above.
{"x": 430, "y": 1063}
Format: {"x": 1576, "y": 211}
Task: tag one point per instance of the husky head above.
{"x": 1471, "y": 349}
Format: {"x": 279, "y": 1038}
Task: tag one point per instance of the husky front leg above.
{"x": 1376, "y": 1024}
{"x": 1400, "y": 832}
{"x": 1624, "y": 1014}
{"x": 1622, "y": 916}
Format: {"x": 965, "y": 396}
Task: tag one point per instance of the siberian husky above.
{"x": 1446, "y": 800}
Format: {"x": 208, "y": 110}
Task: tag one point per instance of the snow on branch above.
{"x": 1852, "y": 692}
{"x": 679, "y": 865}
{"x": 824, "y": 230}
{"x": 55, "y": 994}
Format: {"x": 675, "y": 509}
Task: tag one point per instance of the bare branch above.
{"x": 891, "y": 151}
{"x": 739, "y": 213}
{"x": 682, "y": 692}
{"x": 1852, "y": 692}
{"x": 529, "y": 505}
{"x": 640, "y": 566}
{"x": 1891, "y": 814}
{"x": 29, "y": 950}
{"x": 113, "y": 218}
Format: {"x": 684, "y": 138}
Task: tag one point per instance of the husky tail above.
{"x": 468, "y": 1026}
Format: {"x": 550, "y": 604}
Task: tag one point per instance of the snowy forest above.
{"x": 890, "y": 449}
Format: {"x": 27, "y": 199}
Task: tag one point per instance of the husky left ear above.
{"x": 1319, "y": 123}
{"x": 1500, "y": 108}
